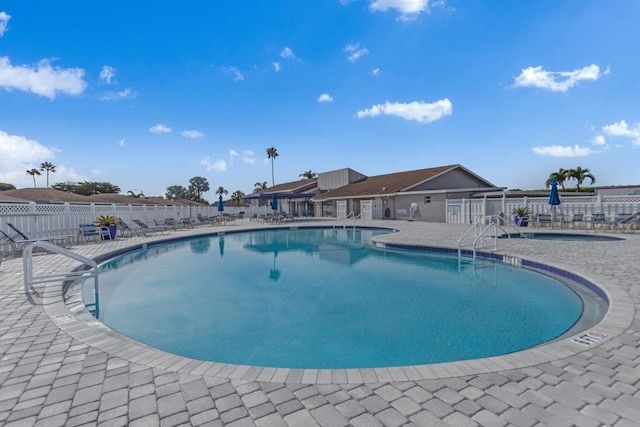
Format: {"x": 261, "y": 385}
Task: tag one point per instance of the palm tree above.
{"x": 560, "y": 176}
{"x": 580, "y": 175}
{"x": 33, "y": 172}
{"x": 131, "y": 193}
{"x": 272, "y": 153}
{"x": 49, "y": 167}
{"x": 236, "y": 196}
{"x": 221, "y": 191}
{"x": 308, "y": 174}
{"x": 259, "y": 186}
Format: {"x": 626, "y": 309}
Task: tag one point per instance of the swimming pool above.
{"x": 321, "y": 298}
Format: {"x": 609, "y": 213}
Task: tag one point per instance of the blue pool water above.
{"x": 321, "y": 298}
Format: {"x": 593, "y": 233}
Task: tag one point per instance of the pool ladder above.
{"x": 490, "y": 231}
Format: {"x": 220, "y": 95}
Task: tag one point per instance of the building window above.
{"x": 427, "y": 199}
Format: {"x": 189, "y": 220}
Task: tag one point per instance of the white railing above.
{"x": 464, "y": 211}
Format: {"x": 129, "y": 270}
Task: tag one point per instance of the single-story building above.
{"x": 418, "y": 194}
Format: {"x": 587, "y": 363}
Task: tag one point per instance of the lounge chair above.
{"x": 88, "y": 232}
{"x": 598, "y": 219}
{"x": 18, "y": 244}
{"x": 151, "y": 229}
{"x": 577, "y": 220}
{"x": 188, "y": 222}
{"x": 543, "y": 220}
{"x": 200, "y": 220}
{"x": 125, "y": 229}
{"x": 624, "y": 222}
{"x": 64, "y": 240}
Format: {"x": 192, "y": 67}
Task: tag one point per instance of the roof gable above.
{"x": 395, "y": 182}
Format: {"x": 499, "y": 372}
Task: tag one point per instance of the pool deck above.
{"x": 59, "y": 367}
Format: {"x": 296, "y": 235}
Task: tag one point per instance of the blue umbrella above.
{"x": 554, "y": 198}
{"x": 274, "y": 202}
{"x": 220, "y": 204}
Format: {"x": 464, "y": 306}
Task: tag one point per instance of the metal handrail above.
{"x": 351, "y": 214}
{"x": 479, "y": 240}
{"x": 27, "y": 262}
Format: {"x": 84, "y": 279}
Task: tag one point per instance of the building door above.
{"x": 366, "y": 209}
{"x": 341, "y": 209}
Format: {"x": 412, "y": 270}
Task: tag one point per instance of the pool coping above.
{"x": 72, "y": 317}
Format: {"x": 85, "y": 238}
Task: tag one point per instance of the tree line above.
{"x": 194, "y": 191}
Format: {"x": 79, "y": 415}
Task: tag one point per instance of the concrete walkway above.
{"x": 59, "y": 367}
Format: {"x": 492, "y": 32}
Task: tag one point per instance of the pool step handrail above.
{"x": 351, "y": 214}
{"x": 490, "y": 230}
{"x": 504, "y": 220}
{"x": 27, "y": 263}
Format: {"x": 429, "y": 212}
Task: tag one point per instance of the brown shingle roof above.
{"x": 386, "y": 184}
{"x": 116, "y": 198}
{"x": 292, "y": 187}
{"x": 46, "y": 195}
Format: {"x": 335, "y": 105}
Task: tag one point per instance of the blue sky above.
{"x": 150, "y": 94}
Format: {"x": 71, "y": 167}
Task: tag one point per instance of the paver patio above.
{"x": 69, "y": 371}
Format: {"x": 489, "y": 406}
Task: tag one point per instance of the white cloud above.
{"x": 563, "y": 151}
{"x": 238, "y": 77}
{"x": 192, "y": 134}
{"x": 557, "y": 81}
{"x": 19, "y": 149}
{"x": 599, "y": 140}
{"x": 116, "y": 96}
{"x": 375, "y": 72}
{"x": 621, "y": 128}
{"x": 160, "y": 128}
{"x": 121, "y": 142}
{"x": 107, "y": 73}
{"x": 43, "y": 79}
{"x": 355, "y": 51}
{"x": 325, "y": 97}
{"x": 421, "y": 112}
{"x": 96, "y": 172}
{"x": 4, "y": 22}
{"x": 287, "y": 53}
{"x": 232, "y": 155}
{"x": 276, "y": 66}
{"x": 18, "y": 153}
{"x": 248, "y": 156}
{"x": 218, "y": 165}
{"x": 409, "y": 9}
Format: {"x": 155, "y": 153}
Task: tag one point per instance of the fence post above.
{"x": 599, "y": 202}
{"x": 33, "y": 223}
{"x": 67, "y": 219}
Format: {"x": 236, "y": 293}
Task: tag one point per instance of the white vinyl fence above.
{"x": 41, "y": 220}
{"x": 465, "y": 211}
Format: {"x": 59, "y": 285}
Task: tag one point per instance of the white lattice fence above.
{"x": 464, "y": 211}
{"x": 40, "y": 220}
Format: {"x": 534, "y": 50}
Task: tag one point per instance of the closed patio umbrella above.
{"x": 274, "y": 202}
{"x": 220, "y": 204}
{"x": 554, "y": 199}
